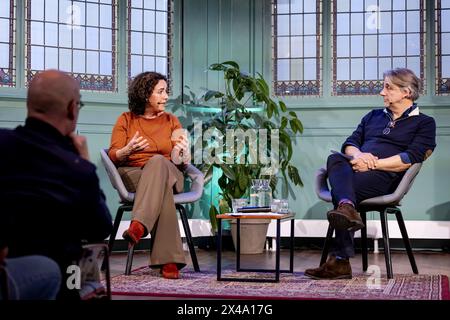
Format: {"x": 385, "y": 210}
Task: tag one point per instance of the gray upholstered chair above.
{"x": 127, "y": 198}
{"x": 384, "y": 205}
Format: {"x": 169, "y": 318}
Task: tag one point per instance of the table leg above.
{"x": 219, "y": 249}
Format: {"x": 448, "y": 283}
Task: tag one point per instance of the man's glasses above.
{"x": 80, "y": 104}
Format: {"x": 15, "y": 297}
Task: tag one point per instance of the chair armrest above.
{"x": 402, "y": 188}
{"x": 196, "y": 190}
{"x": 321, "y": 186}
{"x": 115, "y": 178}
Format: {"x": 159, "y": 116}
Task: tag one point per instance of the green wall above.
{"x": 220, "y": 30}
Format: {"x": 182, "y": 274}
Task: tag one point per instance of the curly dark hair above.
{"x": 140, "y": 89}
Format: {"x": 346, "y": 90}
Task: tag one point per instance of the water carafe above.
{"x": 265, "y": 193}
{"x": 254, "y": 193}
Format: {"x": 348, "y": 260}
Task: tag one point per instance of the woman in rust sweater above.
{"x": 144, "y": 142}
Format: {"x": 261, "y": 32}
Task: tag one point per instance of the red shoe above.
{"x": 134, "y": 233}
{"x": 170, "y": 271}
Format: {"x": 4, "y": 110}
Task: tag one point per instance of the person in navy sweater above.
{"x": 383, "y": 146}
{"x": 51, "y": 200}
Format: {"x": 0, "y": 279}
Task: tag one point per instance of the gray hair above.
{"x": 405, "y": 79}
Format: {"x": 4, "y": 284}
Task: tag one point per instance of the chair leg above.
{"x": 364, "y": 241}
{"x": 187, "y": 232}
{"x": 401, "y": 225}
{"x": 326, "y": 245}
{"x": 112, "y": 237}
{"x": 387, "y": 250}
{"x": 107, "y": 272}
{"x": 129, "y": 259}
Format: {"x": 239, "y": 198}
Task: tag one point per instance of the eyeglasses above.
{"x": 390, "y": 125}
{"x": 80, "y": 104}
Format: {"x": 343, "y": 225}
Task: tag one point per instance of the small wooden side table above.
{"x": 263, "y": 215}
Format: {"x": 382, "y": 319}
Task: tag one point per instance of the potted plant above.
{"x": 246, "y": 105}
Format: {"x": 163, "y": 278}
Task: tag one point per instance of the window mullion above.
{"x": 430, "y": 50}
{"x": 122, "y": 51}
{"x": 20, "y": 44}
{"x": 327, "y": 58}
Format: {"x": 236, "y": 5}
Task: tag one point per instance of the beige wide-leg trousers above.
{"x": 154, "y": 207}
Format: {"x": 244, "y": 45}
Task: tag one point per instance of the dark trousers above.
{"x": 355, "y": 186}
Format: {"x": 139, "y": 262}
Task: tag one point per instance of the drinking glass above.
{"x": 284, "y": 206}
{"x": 238, "y": 203}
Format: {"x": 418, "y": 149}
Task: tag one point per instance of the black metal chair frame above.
{"x": 184, "y": 219}
{"x": 386, "y": 204}
{"x": 384, "y": 211}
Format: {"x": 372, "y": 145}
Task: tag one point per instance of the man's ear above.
{"x": 408, "y": 93}
{"x": 71, "y": 107}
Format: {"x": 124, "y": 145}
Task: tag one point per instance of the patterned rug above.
{"x": 296, "y": 286}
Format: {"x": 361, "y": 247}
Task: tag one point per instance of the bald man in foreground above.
{"x": 50, "y": 199}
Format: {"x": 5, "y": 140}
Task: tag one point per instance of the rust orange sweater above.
{"x": 157, "y": 131}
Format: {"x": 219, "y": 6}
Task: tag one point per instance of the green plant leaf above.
{"x": 212, "y": 218}
{"x": 282, "y": 106}
{"x": 243, "y": 181}
{"x": 212, "y": 94}
{"x": 269, "y": 110}
{"x": 284, "y": 122}
{"x": 223, "y": 206}
{"x": 294, "y": 175}
{"x": 293, "y": 125}
{"x": 217, "y": 67}
{"x": 207, "y": 172}
{"x": 299, "y": 125}
{"x": 293, "y": 114}
{"x": 228, "y": 171}
{"x": 231, "y": 63}
{"x": 222, "y": 182}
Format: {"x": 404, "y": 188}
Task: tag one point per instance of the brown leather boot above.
{"x": 135, "y": 232}
{"x": 333, "y": 269}
{"x": 345, "y": 217}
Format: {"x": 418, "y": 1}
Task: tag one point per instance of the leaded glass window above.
{"x": 372, "y": 36}
{"x": 442, "y": 47}
{"x": 7, "y": 43}
{"x": 149, "y": 41}
{"x": 297, "y": 48}
{"x": 76, "y": 36}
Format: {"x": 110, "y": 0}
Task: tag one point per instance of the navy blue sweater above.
{"x": 412, "y": 136}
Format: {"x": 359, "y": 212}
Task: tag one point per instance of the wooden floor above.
{"x": 428, "y": 262}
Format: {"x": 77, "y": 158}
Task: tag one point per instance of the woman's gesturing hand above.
{"x": 136, "y": 144}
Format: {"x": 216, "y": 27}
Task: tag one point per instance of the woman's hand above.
{"x": 181, "y": 151}
{"x": 136, "y": 144}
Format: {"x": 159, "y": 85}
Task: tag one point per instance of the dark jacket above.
{"x": 50, "y": 199}
{"x": 412, "y": 136}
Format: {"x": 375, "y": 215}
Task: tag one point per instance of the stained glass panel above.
{"x": 372, "y": 36}
{"x": 149, "y": 30}
{"x": 75, "y": 36}
{"x": 297, "y": 48}
{"x": 442, "y": 47}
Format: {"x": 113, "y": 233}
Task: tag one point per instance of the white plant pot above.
{"x": 253, "y": 235}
